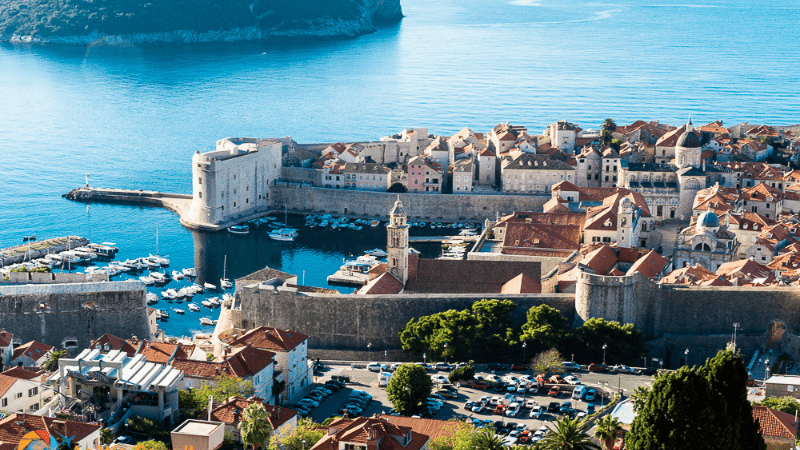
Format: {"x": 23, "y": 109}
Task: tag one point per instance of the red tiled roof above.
{"x": 383, "y": 284}
{"x": 688, "y": 275}
{"x": 521, "y": 284}
{"x": 649, "y": 265}
{"x": 565, "y": 186}
{"x": 24, "y": 373}
{"x": 376, "y": 433}
{"x": 430, "y": 427}
{"x": 241, "y": 362}
{"x": 600, "y": 260}
{"x": 14, "y": 427}
{"x": 230, "y": 412}
{"x": 115, "y": 343}
{"x": 34, "y": 350}
{"x": 271, "y": 338}
{"x": 466, "y": 276}
{"x": 158, "y": 352}
{"x": 5, "y": 383}
{"x": 5, "y": 338}
{"x": 541, "y": 236}
{"x": 775, "y": 423}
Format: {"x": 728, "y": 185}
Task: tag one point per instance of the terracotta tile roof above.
{"x": 649, "y": 265}
{"x": 271, "y": 338}
{"x": 5, "y": 383}
{"x": 743, "y": 268}
{"x": 541, "y": 236}
{"x": 671, "y": 138}
{"x": 565, "y": 186}
{"x": 5, "y": 338}
{"x": 34, "y": 350}
{"x": 775, "y": 423}
{"x": 430, "y": 427}
{"x": 14, "y": 427}
{"x": 376, "y": 433}
{"x": 241, "y": 362}
{"x": 266, "y": 274}
{"x": 384, "y": 284}
{"x": 521, "y": 284}
{"x": 717, "y": 198}
{"x": 601, "y": 260}
{"x": 486, "y": 152}
{"x": 715, "y": 281}
{"x": 467, "y": 276}
{"x": 24, "y": 373}
{"x": 762, "y": 193}
{"x": 158, "y": 352}
{"x": 688, "y": 275}
{"x": 627, "y": 254}
{"x": 130, "y": 347}
{"x": 550, "y": 218}
{"x": 230, "y": 412}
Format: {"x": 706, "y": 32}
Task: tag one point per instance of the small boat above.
{"x": 197, "y": 288}
{"x": 186, "y": 292}
{"x": 159, "y": 259}
{"x": 163, "y": 313}
{"x": 376, "y": 252}
{"x": 209, "y": 286}
{"x": 147, "y": 280}
{"x": 177, "y": 275}
{"x": 168, "y": 294}
{"x": 206, "y": 321}
{"x": 32, "y": 237}
{"x": 190, "y": 272}
{"x": 207, "y": 304}
{"x": 151, "y": 298}
{"x": 192, "y": 307}
{"x": 178, "y": 311}
{"x": 225, "y": 283}
{"x": 159, "y": 277}
{"x": 214, "y": 301}
{"x": 239, "y": 229}
{"x": 281, "y": 236}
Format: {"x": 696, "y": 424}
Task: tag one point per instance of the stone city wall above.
{"x": 74, "y": 314}
{"x": 350, "y": 322}
{"x": 52, "y": 278}
{"x": 473, "y": 207}
{"x": 301, "y": 175}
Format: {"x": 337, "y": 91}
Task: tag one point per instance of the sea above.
{"x": 132, "y": 116}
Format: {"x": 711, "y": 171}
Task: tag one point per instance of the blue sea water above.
{"x": 132, "y": 116}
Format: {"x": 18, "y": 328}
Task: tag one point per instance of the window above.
{"x": 5, "y": 402}
{"x": 606, "y": 239}
{"x": 19, "y": 395}
{"x": 199, "y": 181}
{"x": 200, "y": 194}
{"x": 234, "y": 204}
{"x": 35, "y": 407}
{"x": 32, "y": 392}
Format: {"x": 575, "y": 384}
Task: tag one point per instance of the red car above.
{"x": 518, "y": 366}
{"x": 554, "y": 391}
{"x": 479, "y": 385}
{"x": 595, "y": 367}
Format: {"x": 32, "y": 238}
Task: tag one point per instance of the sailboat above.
{"x": 224, "y": 282}
{"x": 284, "y": 234}
{"x": 164, "y": 262}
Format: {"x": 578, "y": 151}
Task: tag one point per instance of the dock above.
{"x": 38, "y": 249}
{"x": 348, "y": 278}
{"x": 177, "y": 203}
{"x": 439, "y": 239}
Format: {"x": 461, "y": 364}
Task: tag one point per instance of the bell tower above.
{"x": 397, "y": 245}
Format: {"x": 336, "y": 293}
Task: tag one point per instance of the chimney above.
{"x": 210, "y": 406}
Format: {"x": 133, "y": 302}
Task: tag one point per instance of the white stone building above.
{"x": 705, "y": 242}
{"x": 534, "y": 174}
{"x": 462, "y": 176}
{"x": 366, "y": 176}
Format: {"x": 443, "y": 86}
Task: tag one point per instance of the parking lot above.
{"x": 362, "y": 379}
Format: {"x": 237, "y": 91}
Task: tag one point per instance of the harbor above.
{"x": 34, "y": 249}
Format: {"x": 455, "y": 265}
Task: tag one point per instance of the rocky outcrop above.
{"x": 123, "y": 22}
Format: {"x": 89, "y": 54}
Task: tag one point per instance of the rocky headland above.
{"x": 122, "y": 22}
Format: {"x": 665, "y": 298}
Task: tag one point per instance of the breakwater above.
{"x": 39, "y": 249}
{"x": 178, "y": 203}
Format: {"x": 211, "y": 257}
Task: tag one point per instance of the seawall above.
{"x": 71, "y": 315}
{"x": 38, "y": 249}
{"x": 350, "y": 322}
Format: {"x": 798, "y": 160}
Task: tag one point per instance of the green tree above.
{"x": 606, "y": 131}
{"x": 408, "y": 387}
{"x": 639, "y": 397}
{"x": 462, "y": 373}
{"x": 547, "y": 361}
{"x": 222, "y": 388}
{"x": 496, "y": 334}
{"x": 152, "y": 445}
{"x": 255, "y": 427}
{"x": 727, "y": 374}
{"x": 460, "y": 330}
{"x": 51, "y": 364}
{"x": 462, "y": 438}
{"x": 306, "y": 430}
{"x": 608, "y": 429}
{"x": 624, "y": 342}
{"x": 485, "y": 439}
{"x": 786, "y": 404}
{"x": 569, "y": 434}
{"x": 106, "y": 436}
{"x": 682, "y": 411}
{"x": 545, "y": 326}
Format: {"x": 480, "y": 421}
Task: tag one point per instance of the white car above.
{"x": 522, "y": 388}
{"x": 374, "y": 367}
{"x": 622, "y": 368}
{"x": 530, "y": 404}
{"x": 510, "y": 379}
{"x": 572, "y": 380}
{"x": 493, "y": 378}
{"x": 537, "y": 412}
{"x": 525, "y": 379}
{"x": 438, "y": 379}
{"x": 395, "y": 366}
{"x": 494, "y": 401}
{"x": 513, "y": 409}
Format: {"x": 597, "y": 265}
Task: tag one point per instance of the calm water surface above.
{"x": 131, "y": 117}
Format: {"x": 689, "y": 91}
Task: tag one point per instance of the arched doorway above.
{"x": 775, "y": 335}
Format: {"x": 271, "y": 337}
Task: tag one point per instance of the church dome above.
{"x": 398, "y": 208}
{"x": 708, "y": 220}
{"x": 689, "y": 139}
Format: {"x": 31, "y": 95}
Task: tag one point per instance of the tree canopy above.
{"x": 409, "y": 386}
{"x": 306, "y": 430}
{"x": 786, "y": 404}
{"x": 255, "y": 427}
{"x": 568, "y": 434}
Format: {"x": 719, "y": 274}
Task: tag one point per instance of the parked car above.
{"x": 374, "y": 367}
{"x": 591, "y": 393}
{"x": 510, "y": 379}
{"x": 525, "y": 436}
{"x": 519, "y": 366}
{"x": 477, "y": 384}
{"x": 449, "y": 387}
{"x": 579, "y": 392}
{"x": 553, "y": 407}
{"x": 446, "y": 393}
{"x": 500, "y": 386}
{"x": 443, "y": 366}
{"x": 622, "y": 368}
{"x": 500, "y": 409}
{"x": 438, "y": 397}
{"x": 595, "y": 367}
{"x": 468, "y": 405}
{"x": 478, "y": 407}
{"x": 522, "y": 388}
{"x": 649, "y": 371}
{"x": 513, "y": 409}
{"x": 438, "y": 378}
{"x": 571, "y": 380}
{"x": 571, "y": 366}
{"x": 556, "y": 379}
{"x": 123, "y": 440}
{"x": 529, "y": 404}
{"x": 395, "y": 366}
{"x": 565, "y": 407}
{"x": 554, "y": 391}
{"x": 341, "y": 384}
{"x": 590, "y": 408}
{"x": 537, "y": 412}
{"x": 533, "y": 388}
{"x": 493, "y": 378}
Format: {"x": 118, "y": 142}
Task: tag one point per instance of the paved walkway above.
{"x": 669, "y": 235}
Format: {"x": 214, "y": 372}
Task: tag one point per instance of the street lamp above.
{"x": 524, "y": 361}
{"x": 735, "y": 326}
{"x": 304, "y": 445}
{"x": 686, "y": 352}
{"x": 445, "y": 353}
{"x": 369, "y": 351}
{"x": 766, "y": 372}
{"x": 604, "y": 353}
{"x": 424, "y": 358}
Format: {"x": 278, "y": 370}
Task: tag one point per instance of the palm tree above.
{"x": 51, "y": 365}
{"x": 569, "y": 434}
{"x": 485, "y": 439}
{"x": 639, "y": 398}
{"x": 608, "y": 428}
{"x": 255, "y": 427}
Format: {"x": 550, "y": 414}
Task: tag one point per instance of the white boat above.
{"x": 159, "y": 277}
{"x": 224, "y": 282}
{"x": 147, "y": 280}
{"x": 192, "y": 307}
{"x": 151, "y": 298}
{"x": 376, "y": 252}
{"x": 206, "y": 321}
{"x": 160, "y": 260}
{"x": 209, "y": 286}
{"x": 239, "y": 229}
{"x": 186, "y": 292}
{"x": 177, "y": 275}
{"x": 197, "y": 288}
{"x": 190, "y": 272}
{"x": 178, "y": 311}
{"x": 355, "y": 267}
{"x": 168, "y": 294}
{"x": 214, "y": 301}
{"x": 207, "y": 304}
{"x": 281, "y": 236}
{"x": 163, "y": 314}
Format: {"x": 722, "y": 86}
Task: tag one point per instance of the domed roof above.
{"x": 398, "y": 208}
{"x": 708, "y": 220}
{"x": 689, "y": 139}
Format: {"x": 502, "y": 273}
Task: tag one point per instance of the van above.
{"x": 577, "y": 394}
{"x": 374, "y": 367}
{"x": 383, "y": 378}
